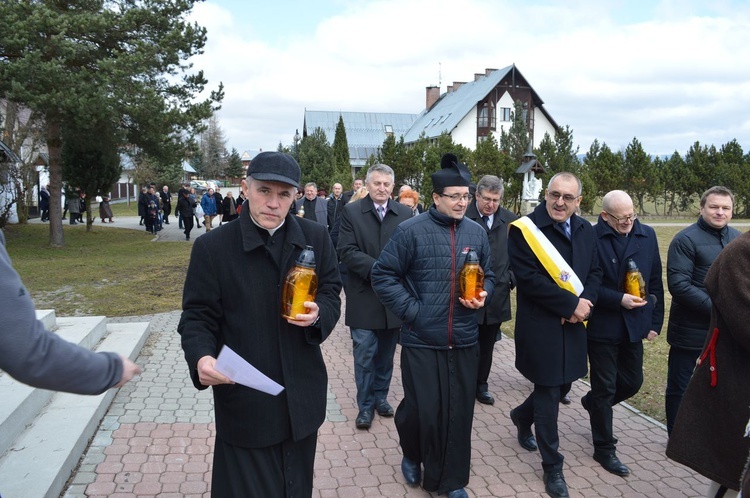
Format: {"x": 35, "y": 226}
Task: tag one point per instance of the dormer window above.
{"x": 388, "y": 130}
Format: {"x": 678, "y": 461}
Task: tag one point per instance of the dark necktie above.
{"x": 486, "y": 220}
{"x": 565, "y": 228}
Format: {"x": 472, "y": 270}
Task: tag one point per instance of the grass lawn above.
{"x": 116, "y": 272}
{"x": 107, "y": 271}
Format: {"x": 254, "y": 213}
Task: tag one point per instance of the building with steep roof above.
{"x": 468, "y": 111}
{"x": 365, "y": 131}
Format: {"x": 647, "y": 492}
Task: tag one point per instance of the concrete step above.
{"x": 39, "y": 461}
{"x": 22, "y": 403}
{"x": 48, "y": 318}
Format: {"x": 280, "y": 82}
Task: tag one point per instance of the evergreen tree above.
{"x": 316, "y": 159}
{"x": 234, "y": 168}
{"x": 65, "y": 59}
{"x": 342, "y": 163}
{"x": 213, "y": 149}
{"x": 90, "y": 158}
{"x": 640, "y": 174}
{"x": 605, "y": 168}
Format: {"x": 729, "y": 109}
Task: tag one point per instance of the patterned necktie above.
{"x": 381, "y": 212}
{"x": 565, "y": 228}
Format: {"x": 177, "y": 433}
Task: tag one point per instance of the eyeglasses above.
{"x": 489, "y": 200}
{"x": 567, "y": 197}
{"x": 458, "y": 197}
{"x": 624, "y": 219}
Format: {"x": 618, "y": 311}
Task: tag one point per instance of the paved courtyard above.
{"x": 157, "y": 439}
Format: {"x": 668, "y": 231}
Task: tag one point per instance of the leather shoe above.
{"x": 525, "y": 437}
{"x": 485, "y": 398}
{"x": 565, "y": 400}
{"x": 364, "y": 419}
{"x": 612, "y": 464}
{"x": 458, "y": 493}
{"x": 585, "y": 403}
{"x": 554, "y": 484}
{"x": 384, "y": 408}
{"x": 411, "y": 470}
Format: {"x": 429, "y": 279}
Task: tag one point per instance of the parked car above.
{"x": 200, "y": 186}
{"x": 214, "y": 184}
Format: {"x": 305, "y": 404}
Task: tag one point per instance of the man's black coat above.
{"x": 497, "y": 308}
{"x": 548, "y": 352}
{"x": 232, "y": 296}
{"x": 361, "y": 238}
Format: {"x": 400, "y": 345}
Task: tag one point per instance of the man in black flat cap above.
{"x": 416, "y": 276}
{"x": 265, "y": 445}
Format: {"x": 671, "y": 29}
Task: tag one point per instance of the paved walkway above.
{"x": 157, "y": 438}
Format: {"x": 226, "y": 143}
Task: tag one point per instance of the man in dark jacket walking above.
{"x": 363, "y": 233}
{"x": 554, "y": 259}
{"x": 691, "y": 253}
{"x": 265, "y": 445}
{"x": 620, "y": 321}
{"x": 416, "y": 276}
{"x": 487, "y": 211}
{"x": 166, "y": 203}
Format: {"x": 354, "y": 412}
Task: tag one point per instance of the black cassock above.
{"x": 434, "y": 419}
{"x": 281, "y": 470}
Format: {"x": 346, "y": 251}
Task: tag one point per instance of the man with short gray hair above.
{"x": 314, "y": 207}
{"x": 488, "y": 212}
{"x": 365, "y": 228}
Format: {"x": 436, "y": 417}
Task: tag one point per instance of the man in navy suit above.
{"x": 621, "y": 321}
{"x": 550, "y": 334}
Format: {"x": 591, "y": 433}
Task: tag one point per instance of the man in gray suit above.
{"x": 316, "y": 208}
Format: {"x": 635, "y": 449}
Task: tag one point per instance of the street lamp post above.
{"x": 296, "y": 138}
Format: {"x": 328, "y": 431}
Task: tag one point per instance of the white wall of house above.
{"x": 466, "y": 132}
{"x": 541, "y": 126}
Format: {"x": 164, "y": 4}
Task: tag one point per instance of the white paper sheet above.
{"x": 236, "y": 368}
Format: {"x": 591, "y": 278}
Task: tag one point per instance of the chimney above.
{"x": 478, "y": 76}
{"x": 433, "y": 94}
{"x": 457, "y": 85}
{"x": 488, "y": 71}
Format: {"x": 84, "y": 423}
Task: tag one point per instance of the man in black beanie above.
{"x": 416, "y": 277}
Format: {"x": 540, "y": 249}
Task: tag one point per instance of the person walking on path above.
{"x": 208, "y": 205}
{"x": 555, "y": 260}
{"x": 488, "y": 212}
{"x": 265, "y": 445}
{"x": 184, "y": 209}
{"x": 416, "y": 276}
{"x": 707, "y": 435}
{"x": 690, "y": 255}
{"x": 621, "y": 321}
{"x": 364, "y": 229}
{"x": 44, "y": 202}
{"x": 166, "y": 203}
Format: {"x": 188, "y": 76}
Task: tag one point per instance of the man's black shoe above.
{"x": 565, "y": 400}
{"x": 412, "y": 472}
{"x": 384, "y": 408}
{"x": 485, "y": 398}
{"x": 585, "y": 402}
{"x": 525, "y": 437}
{"x": 554, "y": 484}
{"x": 458, "y": 493}
{"x": 166, "y": 222}
{"x": 364, "y": 419}
{"x": 612, "y": 464}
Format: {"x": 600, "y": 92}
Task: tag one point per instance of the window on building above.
{"x": 388, "y": 130}
{"x": 483, "y": 120}
{"x": 505, "y": 113}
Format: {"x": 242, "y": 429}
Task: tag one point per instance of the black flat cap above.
{"x": 275, "y": 167}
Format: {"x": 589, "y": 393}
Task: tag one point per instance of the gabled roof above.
{"x": 249, "y": 155}
{"x": 452, "y": 107}
{"x": 187, "y": 168}
{"x": 7, "y": 155}
{"x": 365, "y": 131}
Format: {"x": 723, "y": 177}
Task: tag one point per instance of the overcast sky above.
{"x": 666, "y": 72}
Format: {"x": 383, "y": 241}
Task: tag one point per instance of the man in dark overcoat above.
{"x": 265, "y": 445}
{"x": 550, "y": 334}
{"x": 488, "y": 212}
{"x": 363, "y": 232}
{"x": 708, "y": 434}
{"x": 621, "y": 321}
